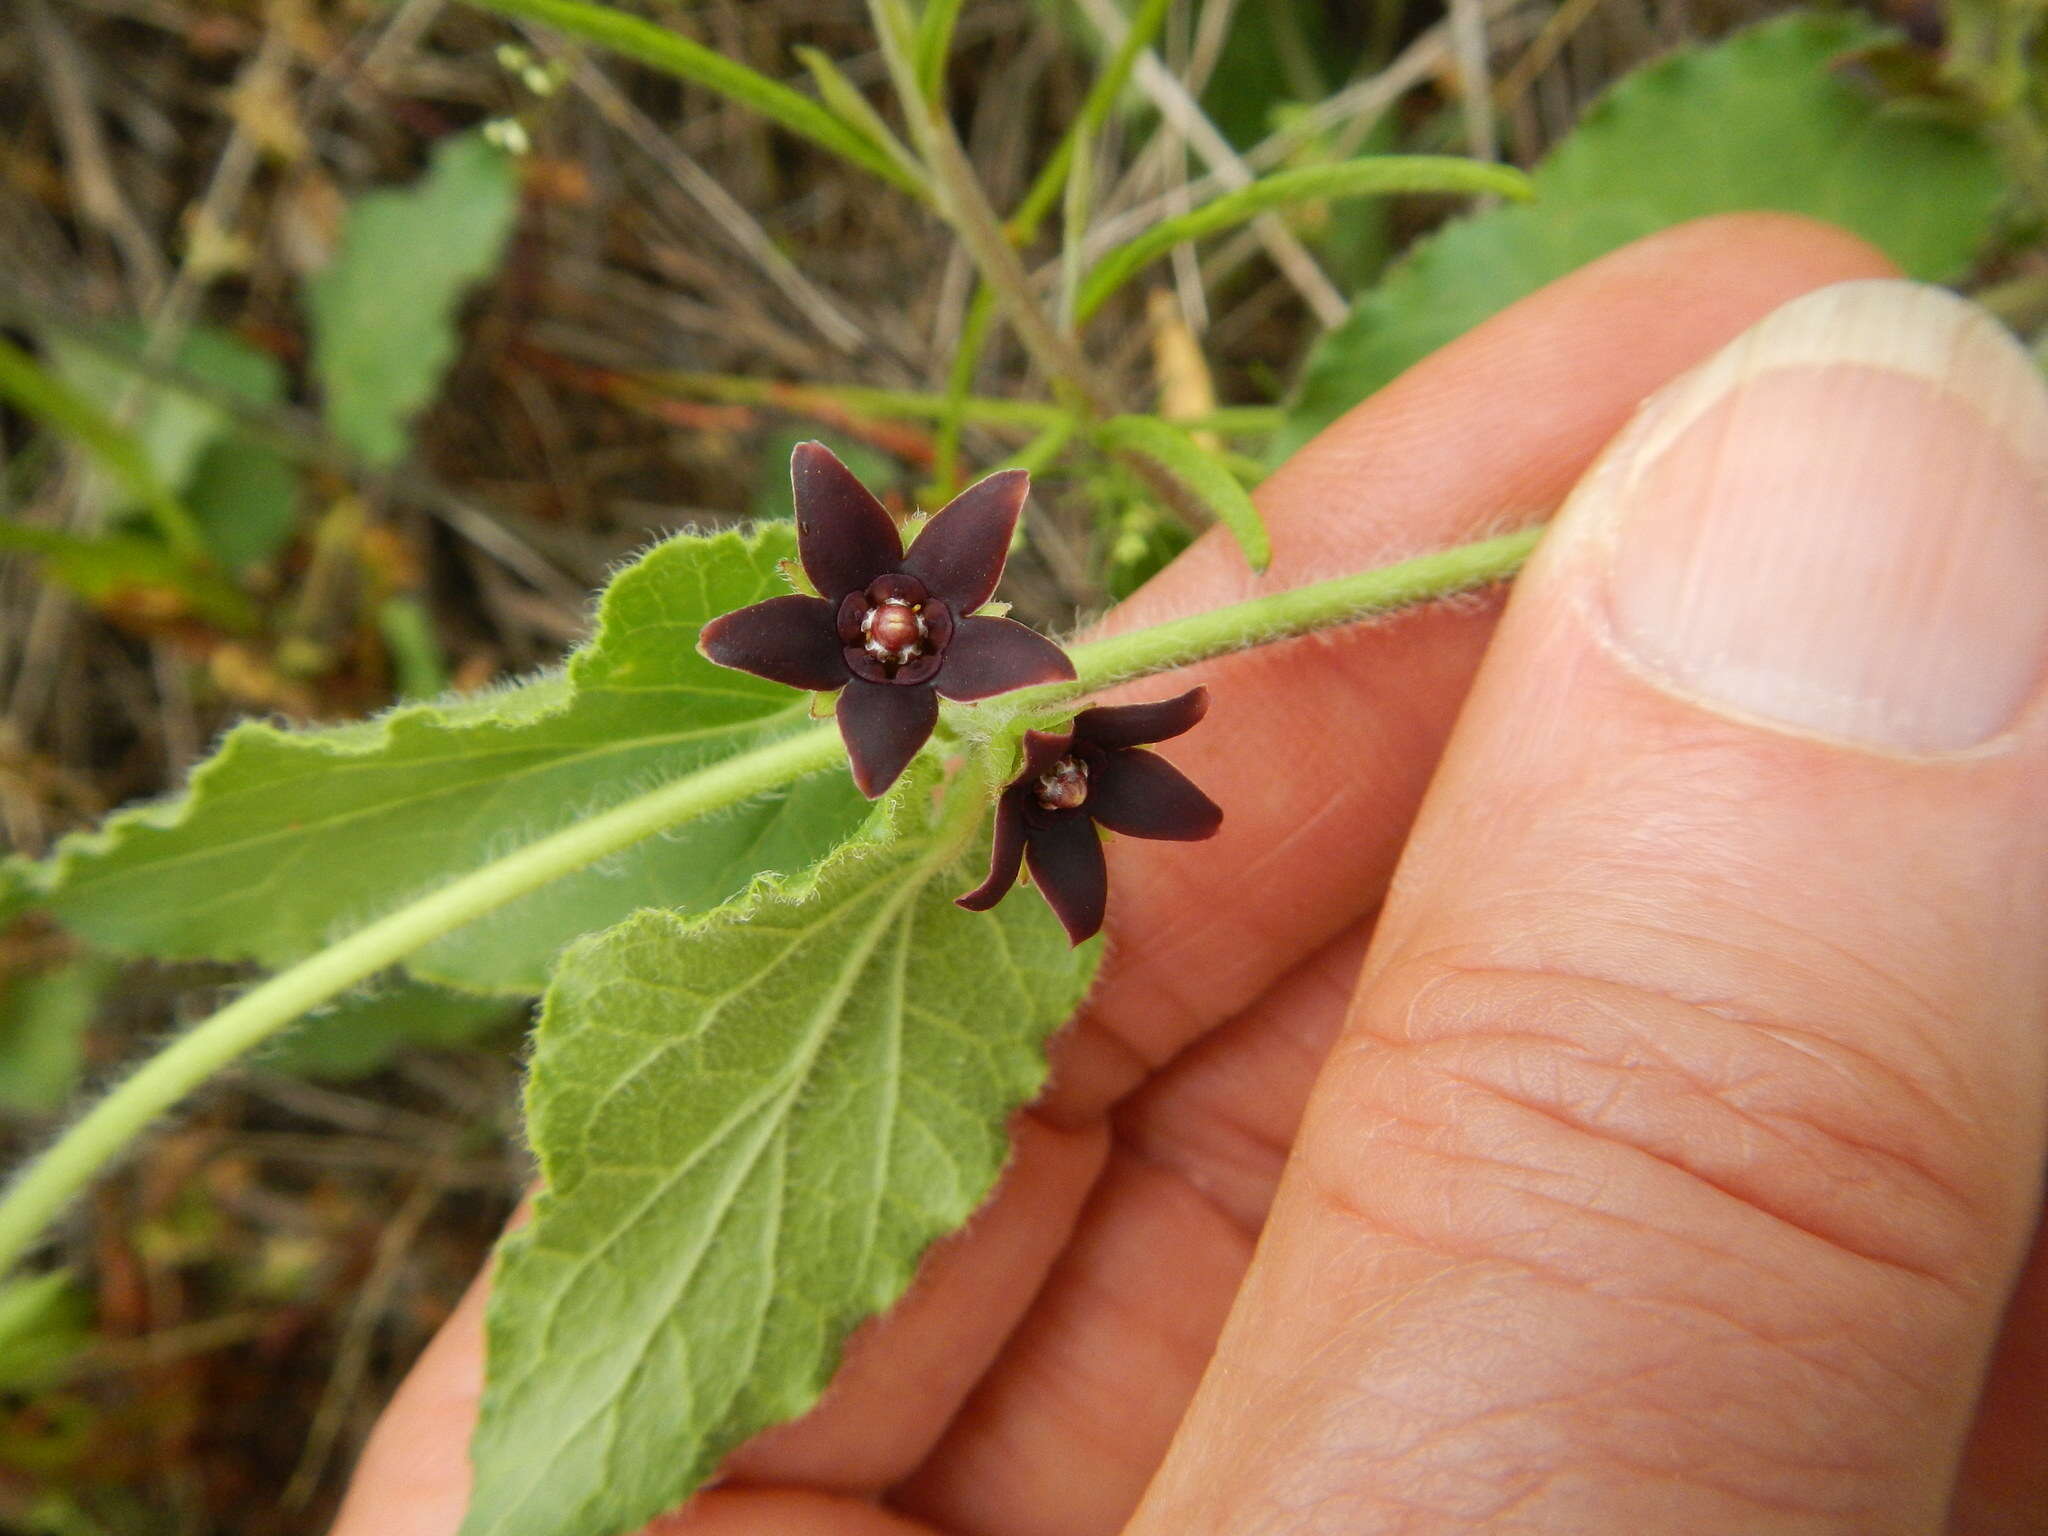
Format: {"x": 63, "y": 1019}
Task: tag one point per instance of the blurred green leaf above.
{"x": 124, "y": 572}
{"x": 246, "y": 498}
{"x": 846, "y": 101}
{"x": 242, "y": 495}
{"x": 408, "y": 631}
{"x": 44, "y": 1016}
{"x": 1277, "y": 52}
{"x": 73, "y": 413}
{"x": 1759, "y": 121}
{"x": 45, "y": 1323}
{"x": 935, "y": 43}
{"x": 384, "y": 310}
{"x": 362, "y": 1033}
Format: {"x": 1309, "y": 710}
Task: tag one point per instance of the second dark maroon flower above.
{"x": 1094, "y": 775}
{"x": 895, "y": 630}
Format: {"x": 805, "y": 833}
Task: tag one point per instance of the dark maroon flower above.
{"x": 1094, "y": 775}
{"x": 895, "y": 630}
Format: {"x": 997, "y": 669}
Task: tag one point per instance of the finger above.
{"x": 1066, "y": 1431}
{"x": 784, "y": 1512}
{"x": 1487, "y": 434}
{"x": 1683, "y": 1143}
{"x": 2003, "y": 1490}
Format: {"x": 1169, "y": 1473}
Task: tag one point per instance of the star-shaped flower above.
{"x": 1094, "y": 775}
{"x": 894, "y": 630}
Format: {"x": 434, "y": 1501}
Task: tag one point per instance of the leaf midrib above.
{"x": 101, "y": 879}
{"x": 763, "y": 1107}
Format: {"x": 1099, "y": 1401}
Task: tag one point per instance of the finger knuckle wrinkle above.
{"x": 1642, "y": 1106}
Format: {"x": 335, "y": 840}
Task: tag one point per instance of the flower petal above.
{"x": 1005, "y": 856}
{"x": 990, "y": 656}
{"x": 1143, "y": 795}
{"x": 844, "y": 535}
{"x": 1066, "y": 861}
{"x": 961, "y": 552}
{"x": 883, "y": 725}
{"x": 789, "y": 640}
{"x": 1115, "y": 726}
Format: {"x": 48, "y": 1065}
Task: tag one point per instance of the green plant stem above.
{"x": 965, "y": 207}
{"x": 95, "y": 1140}
{"x": 915, "y": 405}
{"x": 1285, "y": 615}
{"x": 92, "y": 1142}
{"x": 1023, "y": 225}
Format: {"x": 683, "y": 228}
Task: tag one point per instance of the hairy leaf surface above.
{"x": 1763, "y": 120}
{"x": 286, "y": 839}
{"x": 751, "y": 1124}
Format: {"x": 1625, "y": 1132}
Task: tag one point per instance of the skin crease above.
{"x": 1034, "y": 1378}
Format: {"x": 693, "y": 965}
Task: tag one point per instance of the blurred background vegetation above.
{"x": 345, "y": 346}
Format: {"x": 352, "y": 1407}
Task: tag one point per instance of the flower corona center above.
{"x": 1064, "y": 787}
{"x": 894, "y": 632}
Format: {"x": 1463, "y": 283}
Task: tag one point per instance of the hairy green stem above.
{"x": 95, "y": 1140}
{"x": 1285, "y": 615}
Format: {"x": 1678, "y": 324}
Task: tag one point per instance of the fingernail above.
{"x": 1840, "y": 523}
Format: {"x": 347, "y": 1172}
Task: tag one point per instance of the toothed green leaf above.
{"x": 384, "y": 309}
{"x": 751, "y": 1125}
{"x": 286, "y": 839}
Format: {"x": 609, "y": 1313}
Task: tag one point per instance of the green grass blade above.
{"x": 1209, "y": 481}
{"x": 1374, "y": 176}
{"x": 62, "y": 409}
{"x": 1031, "y": 212}
{"x": 674, "y": 54}
{"x": 1095, "y": 109}
{"x": 844, "y": 99}
{"x": 934, "y": 42}
{"x": 111, "y": 567}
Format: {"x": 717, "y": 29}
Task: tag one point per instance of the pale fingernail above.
{"x": 1840, "y": 523}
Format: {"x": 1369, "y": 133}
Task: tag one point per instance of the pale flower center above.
{"x": 1064, "y": 787}
{"x": 894, "y": 632}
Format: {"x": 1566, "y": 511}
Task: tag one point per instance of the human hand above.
{"x": 1670, "y": 1162}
